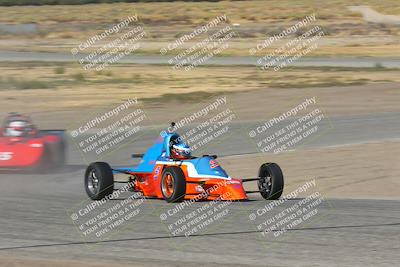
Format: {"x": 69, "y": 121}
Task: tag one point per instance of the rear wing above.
{"x": 53, "y": 132}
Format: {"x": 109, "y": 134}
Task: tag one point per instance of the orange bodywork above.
{"x": 199, "y": 188}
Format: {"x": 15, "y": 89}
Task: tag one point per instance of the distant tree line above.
{"x": 79, "y": 2}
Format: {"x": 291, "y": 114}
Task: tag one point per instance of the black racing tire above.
{"x": 60, "y": 155}
{"x": 43, "y": 166}
{"x": 173, "y": 184}
{"x": 99, "y": 180}
{"x": 271, "y": 181}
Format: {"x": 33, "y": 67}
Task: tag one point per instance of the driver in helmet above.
{"x": 17, "y": 126}
{"x": 180, "y": 150}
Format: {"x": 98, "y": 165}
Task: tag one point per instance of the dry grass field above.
{"x": 59, "y": 86}
{"x": 346, "y": 33}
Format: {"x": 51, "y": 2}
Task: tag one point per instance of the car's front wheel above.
{"x": 99, "y": 180}
{"x": 173, "y": 184}
{"x": 270, "y": 181}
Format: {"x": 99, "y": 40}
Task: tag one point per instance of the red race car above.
{"x": 23, "y": 146}
{"x": 169, "y": 171}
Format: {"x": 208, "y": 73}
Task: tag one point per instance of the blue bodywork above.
{"x": 160, "y": 152}
{"x": 208, "y": 166}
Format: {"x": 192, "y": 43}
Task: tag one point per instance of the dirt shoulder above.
{"x": 60, "y": 92}
{"x": 364, "y": 171}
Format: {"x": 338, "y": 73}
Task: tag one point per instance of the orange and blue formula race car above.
{"x": 168, "y": 171}
{"x": 23, "y": 146}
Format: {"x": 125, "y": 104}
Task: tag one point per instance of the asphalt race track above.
{"x": 360, "y": 62}
{"x": 337, "y": 131}
{"x": 36, "y": 221}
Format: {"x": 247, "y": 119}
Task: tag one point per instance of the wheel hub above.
{"x": 168, "y": 185}
{"x": 93, "y": 182}
{"x": 265, "y": 184}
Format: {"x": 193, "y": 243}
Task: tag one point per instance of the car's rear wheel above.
{"x": 173, "y": 184}
{"x": 43, "y": 165}
{"x": 99, "y": 180}
{"x": 60, "y": 155}
{"x": 270, "y": 181}
{"x": 53, "y": 157}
